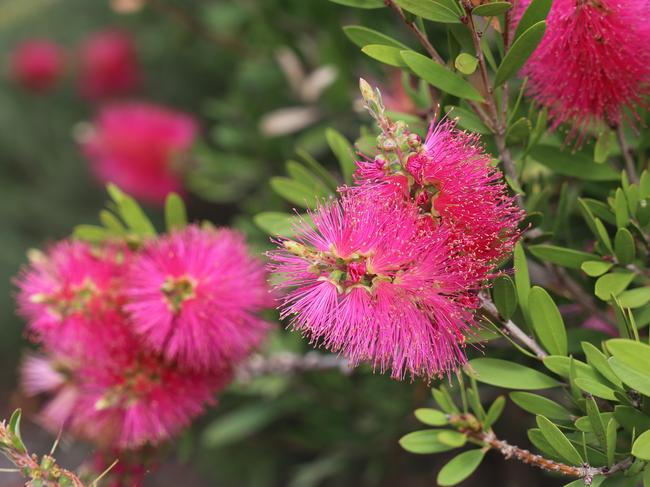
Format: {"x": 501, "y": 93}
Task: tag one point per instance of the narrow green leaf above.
{"x": 641, "y": 447}
{"x": 597, "y": 424}
{"x": 603, "y": 146}
{"x": 634, "y": 298}
{"x": 631, "y": 363}
{"x": 494, "y": 413}
{"x": 425, "y": 441}
{"x": 603, "y": 236}
{"x": 444, "y": 400}
{"x": 596, "y": 388}
{"x": 537, "y": 11}
{"x": 522, "y": 279}
{"x": 562, "y": 256}
{"x": 431, "y": 417}
{"x": 519, "y": 52}
{"x": 439, "y": 76}
{"x": 536, "y": 404}
{"x": 466, "y": 63}
{"x": 361, "y": 3}
{"x": 510, "y": 375}
{"x": 595, "y": 268}
{"x": 598, "y": 361}
{"x": 562, "y": 366}
{"x": 91, "y": 233}
{"x": 318, "y": 169}
{"x": 624, "y": 246}
{"x": 620, "y": 209}
{"x": 519, "y": 130}
{"x": 539, "y": 441}
{"x": 504, "y": 295}
{"x": 491, "y": 9}
{"x": 433, "y": 10}
{"x": 363, "y": 36}
{"x": 304, "y": 176}
{"x": 14, "y": 428}
{"x": 584, "y": 424}
{"x": 386, "y": 54}
{"x": 294, "y": 192}
{"x": 277, "y": 223}
{"x": 466, "y": 119}
{"x": 112, "y": 223}
{"x": 632, "y": 419}
{"x": 560, "y": 442}
{"x": 613, "y": 283}
{"x": 175, "y": 214}
{"x": 343, "y": 152}
{"x": 547, "y": 321}
{"x": 452, "y": 438}
{"x": 610, "y": 434}
{"x": 460, "y": 467}
{"x": 575, "y": 165}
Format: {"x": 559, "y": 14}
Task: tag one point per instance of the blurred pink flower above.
{"x": 369, "y": 281}
{"x": 593, "y": 62}
{"x": 37, "y": 65}
{"x": 141, "y": 148}
{"x": 108, "y": 65}
{"x": 194, "y": 295}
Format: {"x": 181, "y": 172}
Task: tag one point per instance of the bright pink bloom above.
{"x": 194, "y": 297}
{"x": 370, "y": 281}
{"x": 37, "y": 64}
{"x": 141, "y": 148}
{"x": 593, "y": 62}
{"x": 453, "y": 181}
{"x": 108, "y": 65}
{"x": 71, "y": 296}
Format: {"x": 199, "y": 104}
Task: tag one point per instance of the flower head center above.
{"x": 177, "y": 290}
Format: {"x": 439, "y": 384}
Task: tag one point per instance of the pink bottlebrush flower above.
{"x": 593, "y": 62}
{"x": 108, "y": 65}
{"x": 453, "y": 181}
{"x": 136, "y": 398}
{"x": 194, "y": 296}
{"x": 370, "y": 281}
{"x": 141, "y": 148}
{"x": 71, "y": 296}
{"x": 37, "y": 65}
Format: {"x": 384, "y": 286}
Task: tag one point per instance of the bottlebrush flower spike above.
{"x": 593, "y": 62}
{"x": 194, "y": 297}
{"x": 71, "y": 296}
{"x": 108, "y": 65}
{"x": 141, "y": 148}
{"x": 37, "y": 65}
{"x": 369, "y": 281}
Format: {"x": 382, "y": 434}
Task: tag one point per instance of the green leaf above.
{"x": 641, "y": 447}
{"x": 361, "y": 3}
{"x": 537, "y": 11}
{"x": 452, "y": 438}
{"x": 610, "y": 439}
{"x": 536, "y": 404}
{"x": 303, "y": 175}
{"x": 343, "y": 152}
{"x": 620, "y": 209}
{"x": 562, "y": 366}
{"x": 91, "y": 233}
{"x": 466, "y": 63}
{"x": 632, "y": 419}
{"x": 624, "y": 247}
{"x": 466, "y": 119}
{"x": 494, "y": 413}
{"x": 135, "y": 218}
{"x": 575, "y": 165}
{"x": 427, "y": 441}
{"x": 596, "y": 388}
{"x": 277, "y": 223}
{"x": 519, "y": 52}
{"x": 603, "y": 146}
{"x": 631, "y": 362}
{"x": 613, "y": 283}
{"x": 112, "y": 223}
{"x": 595, "y": 268}
{"x": 561, "y": 255}
{"x": 598, "y": 361}
{"x": 491, "y": 9}
{"x": 175, "y": 214}
{"x": 294, "y": 192}
{"x": 596, "y": 421}
{"x": 505, "y": 296}
{"x": 537, "y": 439}
{"x": 386, "y": 54}
{"x": 439, "y": 76}
{"x": 522, "y": 279}
{"x": 547, "y": 321}
{"x": 460, "y": 467}
{"x": 583, "y": 423}
{"x": 510, "y": 375}
{"x": 431, "y": 417}
{"x": 518, "y": 131}
{"x": 318, "y": 169}
{"x": 603, "y": 236}
{"x": 433, "y": 10}
{"x": 363, "y": 36}
{"x": 14, "y": 428}
{"x": 634, "y": 298}
{"x": 560, "y": 442}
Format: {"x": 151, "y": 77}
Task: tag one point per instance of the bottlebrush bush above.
{"x": 486, "y": 236}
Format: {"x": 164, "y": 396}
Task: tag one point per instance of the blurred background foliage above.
{"x": 265, "y": 78}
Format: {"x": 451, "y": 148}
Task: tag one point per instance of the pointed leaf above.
{"x": 491, "y": 9}
{"x": 343, "y": 152}
{"x": 294, "y": 192}
{"x": 494, "y": 413}
{"x": 598, "y": 361}
{"x": 460, "y": 467}
{"x": 560, "y": 442}
{"x": 510, "y": 375}
{"x": 561, "y": 255}
{"x": 536, "y": 404}
{"x": 537, "y": 11}
{"x": 434, "y": 10}
{"x": 522, "y": 279}
{"x": 386, "y": 54}
{"x": 519, "y": 52}
{"x": 572, "y": 164}
{"x": 363, "y": 36}
{"x": 547, "y": 321}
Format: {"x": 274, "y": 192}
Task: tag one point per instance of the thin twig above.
{"x": 513, "y": 330}
{"x": 626, "y": 152}
{"x": 287, "y": 362}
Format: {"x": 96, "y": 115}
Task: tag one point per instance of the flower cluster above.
{"x": 135, "y": 343}
{"x": 593, "y": 62}
{"x": 389, "y": 274}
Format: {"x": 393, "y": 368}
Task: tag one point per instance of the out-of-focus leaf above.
{"x": 536, "y": 404}
{"x": 575, "y": 165}
{"x": 505, "y": 296}
{"x": 386, "y": 54}
{"x": 466, "y": 63}
{"x": 624, "y": 246}
{"x": 435, "y": 10}
{"x": 277, "y": 223}
{"x": 620, "y": 209}
{"x": 634, "y": 298}
{"x": 440, "y": 77}
{"x": 304, "y": 176}
{"x": 598, "y": 361}
{"x": 596, "y": 388}
{"x": 361, "y": 3}
{"x": 547, "y": 321}
{"x": 641, "y": 447}
{"x": 295, "y": 192}
{"x": 610, "y": 438}
{"x": 466, "y": 119}
{"x": 631, "y": 362}
{"x": 632, "y": 419}
{"x": 510, "y": 375}
{"x": 595, "y": 268}
{"x": 603, "y": 146}
{"x": 537, "y": 11}
{"x": 562, "y": 256}
{"x": 91, "y": 233}
{"x": 560, "y": 442}
{"x": 363, "y": 36}
{"x": 491, "y": 9}
{"x": 613, "y": 283}
{"x": 14, "y": 428}
{"x": 175, "y": 214}
{"x": 460, "y": 467}
{"x": 431, "y": 417}
{"x": 522, "y": 279}
{"x": 519, "y": 52}
{"x": 343, "y": 152}
{"x": 427, "y": 441}
{"x": 131, "y": 212}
